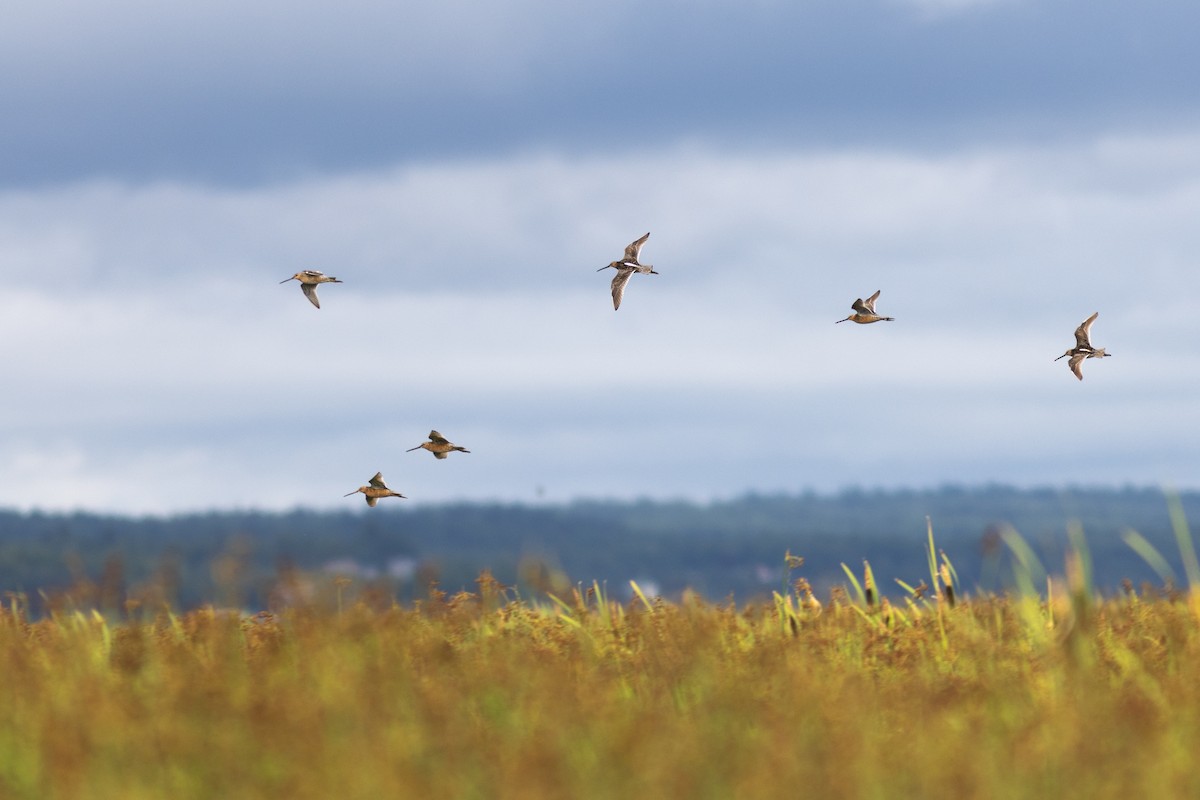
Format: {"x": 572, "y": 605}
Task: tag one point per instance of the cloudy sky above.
{"x": 1000, "y": 169}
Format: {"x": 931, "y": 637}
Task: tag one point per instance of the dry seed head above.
{"x": 944, "y": 574}
{"x": 947, "y": 582}
{"x": 488, "y": 585}
{"x": 793, "y": 562}
{"x": 809, "y": 600}
{"x": 948, "y": 594}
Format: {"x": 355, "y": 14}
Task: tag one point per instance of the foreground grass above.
{"x": 480, "y": 695}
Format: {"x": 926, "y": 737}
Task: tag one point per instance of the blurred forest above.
{"x": 733, "y": 548}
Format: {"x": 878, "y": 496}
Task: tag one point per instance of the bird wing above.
{"x": 371, "y": 501}
{"x": 310, "y": 291}
{"x": 635, "y": 248}
{"x": 441, "y": 454}
{"x": 1082, "y": 332}
{"x": 870, "y": 301}
{"x": 377, "y": 481}
{"x": 1075, "y": 362}
{"x": 861, "y": 307}
{"x": 618, "y": 285}
{"x": 437, "y": 438}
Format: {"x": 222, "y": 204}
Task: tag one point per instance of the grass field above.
{"x": 485, "y": 695}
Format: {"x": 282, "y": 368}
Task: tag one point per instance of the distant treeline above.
{"x": 730, "y": 548}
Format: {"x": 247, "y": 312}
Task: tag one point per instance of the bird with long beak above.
{"x": 625, "y": 269}
{"x": 309, "y": 279}
{"x": 439, "y": 445}
{"x": 864, "y": 311}
{"x": 1083, "y": 347}
{"x": 376, "y": 490}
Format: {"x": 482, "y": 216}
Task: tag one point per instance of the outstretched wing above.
{"x": 618, "y": 285}
{"x": 437, "y": 438}
{"x": 310, "y": 291}
{"x": 635, "y": 248}
{"x": 1075, "y": 362}
{"x": 861, "y": 307}
{"x": 1083, "y": 331}
{"x": 377, "y": 481}
{"x": 870, "y": 301}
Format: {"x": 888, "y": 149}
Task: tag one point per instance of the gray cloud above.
{"x": 235, "y": 95}
{"x": 999, "y": 169}
{"x": 155, "y": 363}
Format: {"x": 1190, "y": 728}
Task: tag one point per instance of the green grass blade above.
{"x": 1183, "y": 536}
{"x": 637, "y": 590}
{"x": 1149, "y": 553}
{"x": 1080, "y": 548}
{"x": 858, "y": 589}
{"x": 1028, "y": 571}
{"x": 932, "y": 556}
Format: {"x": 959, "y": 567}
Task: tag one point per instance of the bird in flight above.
{"x": 439, "y": 445}
{"x": 864, "y": 311}
{"x": 1083, "y": 347}
{"x": 375, "y": 490}
{"x": 625, "y": 269}
{"x": 309, "y": 279}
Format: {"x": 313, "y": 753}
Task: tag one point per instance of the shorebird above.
{"x": 864, "y": 311}
{"x": 439, "y": 445}
{"x": 625, "y": 269}
{"x": 375, "y": 490}
{"x": 1083, "y": 347}
{"x": 309, "y": 279}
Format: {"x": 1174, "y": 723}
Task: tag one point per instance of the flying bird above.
{"x": 1083, "y": 347}
{"x": 625, "y": 269}
{"x": 376, "y": 490}
{"x": 309, "y": 279}
{"x": 864, "y": 311}
{"x": 439, "y": 445}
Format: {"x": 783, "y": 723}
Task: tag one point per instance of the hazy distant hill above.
{"x": 733, "y": 547}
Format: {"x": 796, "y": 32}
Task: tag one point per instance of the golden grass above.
{"x": 482, "y": 695}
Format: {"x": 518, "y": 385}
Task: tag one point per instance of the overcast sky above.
{"x": 1000, "y": 169}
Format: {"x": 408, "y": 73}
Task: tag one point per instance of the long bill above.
{"x": 409, "y": 450}
{"x": 356, "y": 491}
